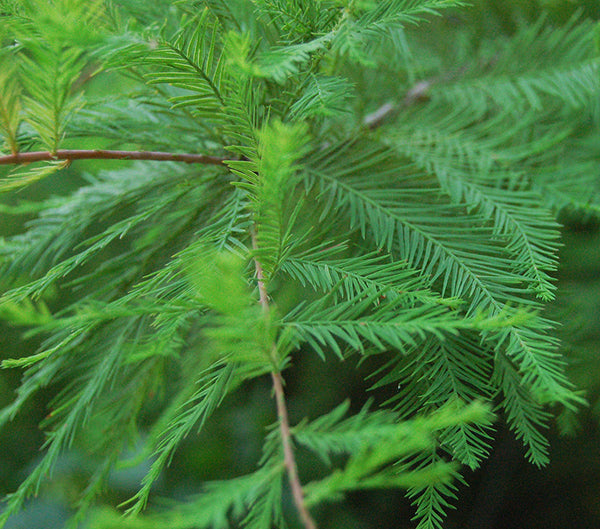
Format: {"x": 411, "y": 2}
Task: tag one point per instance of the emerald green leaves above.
{"x": 254, "y": 500}
{"x": 323, "y": 97}
{"x": 66, "y": 22}
{"x": 554, "y": 65}
{"x": 10, "y": 105}
{"x": 296, "y": 20}
{"x": 369, "y": 318}
{"x": 281, "y": 63}
{"x": 21, "y": 177}
{"x": 366, "y": 26}
{"x": 326, "y": 270}
{"x": 186, "y": 412}
{"x": 279, "y": 151}
{"x": 41, "y": 87}
{"x": 428, "y": 239}
{"x": 50, "y": 104}
{"x": 381, "y": 449}
{"x": 371, "y": 442}
{"x": 192, "y": 61}
{"x": 469, "y": 167}
{"x": 237, "y": 329}
{"x": 463, "y": 254}
{"x": 51, "y": 59}
{"x": 218, "y": 281}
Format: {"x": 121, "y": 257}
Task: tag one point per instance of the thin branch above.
{"x": 98, "y": 154}
{"x": 260, "y": 277}
{"x": 418, "y": 93}
{"x": 288, "y": 454}
{"x": 284, "y": 424}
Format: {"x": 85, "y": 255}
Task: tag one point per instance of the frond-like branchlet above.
{"x": 383, "y": 182}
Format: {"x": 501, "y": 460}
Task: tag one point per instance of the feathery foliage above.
{"x": 372, "y": 194}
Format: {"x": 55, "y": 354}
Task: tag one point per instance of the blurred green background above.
{"x": 505, "y": 493}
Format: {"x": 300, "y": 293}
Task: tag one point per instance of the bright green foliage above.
{"x": 391, "y": 175}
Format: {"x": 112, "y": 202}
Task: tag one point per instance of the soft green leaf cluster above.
{"x": 427, "y": 238}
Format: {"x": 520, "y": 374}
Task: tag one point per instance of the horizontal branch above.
{"x": 97, "y": 154}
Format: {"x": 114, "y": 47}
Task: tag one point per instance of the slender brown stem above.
{"x": 99, "y": 154}
{"x": 418, "y": 93}
{"x": 288, "y": 454}
{"x": 284, "y": 424}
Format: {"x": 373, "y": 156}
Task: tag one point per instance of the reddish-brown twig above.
{"x": 99, "y": 154}
{"x": 284, "y": 424}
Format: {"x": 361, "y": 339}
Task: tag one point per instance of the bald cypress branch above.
{"x": 100, "y": 154}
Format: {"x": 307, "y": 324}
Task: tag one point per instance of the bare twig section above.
{"x": 375, "y": 119}
{"x": 288, "y": 453}
{"x": 98, "y": 154}
{"x": 419, "y": 92}
{"x": 284, "y": 424}
{"x": 260, "y": 277}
